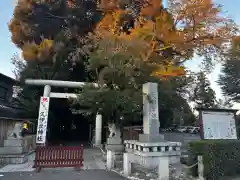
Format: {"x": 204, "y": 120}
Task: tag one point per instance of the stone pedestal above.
{"x": 149, "y": 151}
{"x": 16, "y": 151}
{"x": 114, "y": 142}
{"x": 151, "y": 155}
{"x": 116, "y": 147}
{"x": 151, "y": 138}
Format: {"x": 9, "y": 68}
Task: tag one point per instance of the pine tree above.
{"x": 204, "y": 95}
{"x": 229, "y": 79}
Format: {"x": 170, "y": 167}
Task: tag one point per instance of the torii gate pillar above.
{"x": 47, "y": 91}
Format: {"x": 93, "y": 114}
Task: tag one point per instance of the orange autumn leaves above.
{"x": 144, "y": 33}
{"x": 156, "y": 35}
{"x": 197, "y": 22}
{"x": 34, "y": 52}
{"x": 193, "y": 26}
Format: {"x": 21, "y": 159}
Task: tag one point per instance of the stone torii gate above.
{"x": 67, "y": 84}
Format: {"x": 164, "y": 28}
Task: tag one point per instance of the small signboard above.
{"x": 42, "y": 120}
{"x": 218, "y": 124}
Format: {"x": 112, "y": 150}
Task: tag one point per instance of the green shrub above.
{"x": 220, "y": 157}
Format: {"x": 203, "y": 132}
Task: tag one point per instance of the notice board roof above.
{"x": 217, "y": 110}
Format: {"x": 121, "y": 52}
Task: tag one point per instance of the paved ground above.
{"x": 62, "y": 175}
{"x": 92, "y": 160}
{"x": 94, "y": 169}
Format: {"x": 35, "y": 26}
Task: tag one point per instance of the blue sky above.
{"x": 8, "y": 49}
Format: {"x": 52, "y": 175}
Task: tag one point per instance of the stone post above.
{"x": 151, "y": 122}
{"x": 200, "y": 168}
{"x": 98, "y": 130}
{"x": 110, "y": 159}
{"x": 127, "y": 165}
{"x": 163, "y": 168}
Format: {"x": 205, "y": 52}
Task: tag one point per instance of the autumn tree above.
{"x": 123, "y": 60}
{"x": 132, "y": 44}
{"x": 136, "y": 40}
{"x": 50, "y": 36}
{"x": 47, "y": 31}
{"x": 189, "y": 28}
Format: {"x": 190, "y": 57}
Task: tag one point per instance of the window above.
{"x": 3, "y": 92}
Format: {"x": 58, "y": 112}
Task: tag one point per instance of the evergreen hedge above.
{"x": 220, "y": 157}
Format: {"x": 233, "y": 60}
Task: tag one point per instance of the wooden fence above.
{"x": 58, "y": 156}
{"x": 129, "y": 132}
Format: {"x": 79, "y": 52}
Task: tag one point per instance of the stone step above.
{"x": 11, "y": 150}
{"x": 13, "y": 142}
{"x": 14, "y": 159}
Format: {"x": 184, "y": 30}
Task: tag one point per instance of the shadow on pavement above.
{"x": 62, "y": 175}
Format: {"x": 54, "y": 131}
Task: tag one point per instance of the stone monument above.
{"x": 151, "y": 150}
{"x": 151, "y": 122}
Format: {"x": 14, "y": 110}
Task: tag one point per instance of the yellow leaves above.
{"x": 157, "y": 4}
{"x": 46, "y": 44}
{"x": 143, "y": 31}
{"x": 45, "y": 50}
{"x": 164, "y": 21}
{"x": 116, "y": 19}
{"x": 110, "y": 22}
{"x": 34, "y": 52}
{"x": 30, "y": 51}
{"x": 108, "y": 5}
{"x": 169, "y": 71}
{"x": 106, "y": 23}
{"x": 151, "y": 8}
{"x": 27, "y": 4}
